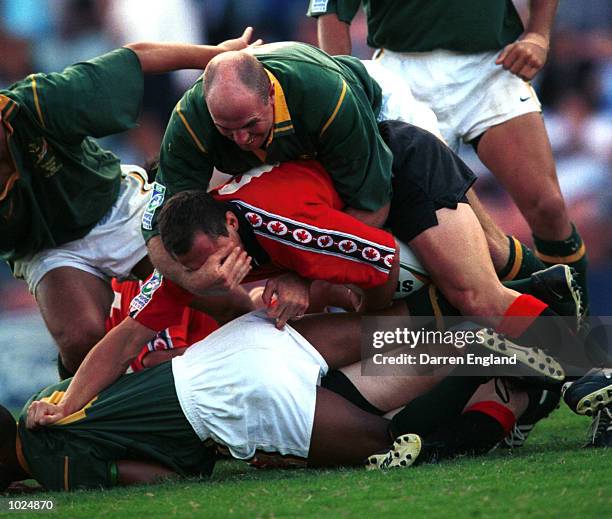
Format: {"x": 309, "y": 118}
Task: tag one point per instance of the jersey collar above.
{"x": 283, "y": 125}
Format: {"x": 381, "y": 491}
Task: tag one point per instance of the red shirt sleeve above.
{"x": 160, "y": 303}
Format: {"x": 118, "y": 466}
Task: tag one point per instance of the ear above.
{"x": 231, "y": 221}
{"x": 271, "y": 94}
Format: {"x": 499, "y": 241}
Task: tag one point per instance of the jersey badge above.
{"x": 156, "y": 200}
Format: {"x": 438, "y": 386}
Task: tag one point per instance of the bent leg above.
{"x": 74, "y": 305}
{"x": 497, "y": 240}
{"x": 465, "y": 276}
{"x": 511, "y": 258}
{"x": 518, "y": 153}
{"x": 343, "y": 434}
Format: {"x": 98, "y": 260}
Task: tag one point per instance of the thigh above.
{"x": 70, "y": 298}
{"x": 455, "y": 252}
{"x": 337, "y": 337}
{"x": 427, "y": 176}
{"x": 389, "y": 392}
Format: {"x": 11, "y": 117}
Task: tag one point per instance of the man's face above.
{"x": 204, "y": 246}
{"x": 243, "y": 117}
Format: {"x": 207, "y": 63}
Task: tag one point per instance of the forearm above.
{"x": 225, "y": 307}
{"x": 541, "y": 18}
{"x": 105, "y": 363}
{"x": 166, "y": 57}
{"x": 162, "y": 261}
{"x": 372, "y": 218}
{"x": 334, "y": 36}
{"x": 381, "y": 297}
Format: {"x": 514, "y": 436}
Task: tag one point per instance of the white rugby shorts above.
{"x": 398, "y": 103}
{"x": 250, "y": 387}
{"x": 111, "y": 249}
{"x": 468, "y": 93}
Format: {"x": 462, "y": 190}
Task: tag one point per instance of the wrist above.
{"x": 536, "y": 39}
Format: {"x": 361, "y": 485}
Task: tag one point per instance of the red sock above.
{"x": 520, "y": 315}
{"x": 500, "y": 413}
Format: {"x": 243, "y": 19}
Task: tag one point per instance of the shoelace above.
{"x": 515, "y": 436}
{"x": 600, "y": 423}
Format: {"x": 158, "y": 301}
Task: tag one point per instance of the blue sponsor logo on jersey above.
{"x": 157, "y": 199}
{"x": 146, "y": 292}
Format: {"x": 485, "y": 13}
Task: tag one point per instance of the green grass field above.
{"x": 550, "y": 477}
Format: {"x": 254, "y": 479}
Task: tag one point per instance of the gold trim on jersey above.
{"x": 19, "y": 454}
{"x": 57, "y": 396}
{"x": 335, "y": 112}
{"x": 189, "y": 129}
{"x": 4, "y": 102}
{"x": 36, "y": 101}
{"x": 10, "y": 182}
{"x": 66, "y": 466}
{"x": 282, "y": 117}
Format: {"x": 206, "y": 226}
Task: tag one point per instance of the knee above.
{"x": 75, "y": 341}
{"x": 548, "y": 208}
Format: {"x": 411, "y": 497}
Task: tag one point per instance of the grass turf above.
{"x": 551, "y": 476}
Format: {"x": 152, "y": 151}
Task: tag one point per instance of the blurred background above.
{"x": 575, "y": 88}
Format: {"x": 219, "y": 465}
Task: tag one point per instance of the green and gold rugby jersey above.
{"x": 64, "y": 182}
{"x": 426, "y": 25}
{"x": 324, "y": 109}
{"x": 138, "y": 418}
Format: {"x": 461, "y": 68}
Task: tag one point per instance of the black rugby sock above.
{"x": 522, "y": 262}
{"x": 471, "y": 433}
{"x": 443, "y": 403}
{"x": 570, "y": 251}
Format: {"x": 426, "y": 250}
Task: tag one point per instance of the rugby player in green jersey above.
{"x": 471, "y": 61}
{"x": 69, "y": 212}
{"x": 275, "y": 103}
{"x": 256, "y": 391}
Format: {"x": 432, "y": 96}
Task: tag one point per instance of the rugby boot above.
{"x": 600, "y": 433}
{"x": 403, "y": 453}
{"x": 591, "y": 393}
{"x": 533, "y": 363}
{"x": 557, "y": 287}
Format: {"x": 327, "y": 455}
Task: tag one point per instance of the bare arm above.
{"x": 334, "y": 35}
{"x": 225, "y": 307}
{"x": 372, "y": 218}
{"x": 164, "y": 57}
{"x": 381, "y": 297}
{"x": 104, "y": 364}
{"x": 526, "y": 56}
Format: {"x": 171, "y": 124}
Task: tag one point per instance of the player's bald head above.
{"x": 235, "y": 70}
{"x": 240, "y": 99}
